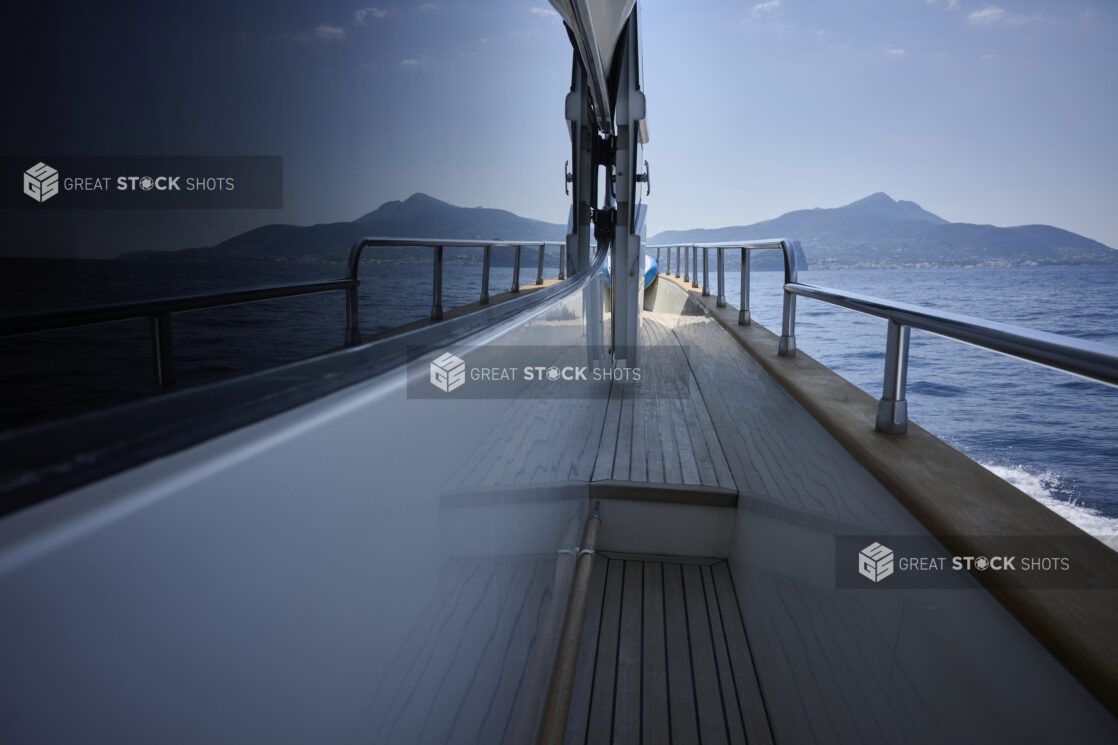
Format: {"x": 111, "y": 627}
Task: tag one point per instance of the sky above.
{"x": 999, "y": 113}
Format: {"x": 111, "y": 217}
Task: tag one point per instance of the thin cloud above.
{"x": 362, "y": 14}
{"x": 548, "y": 13}
{"x": 986, "y": 16}
{"x": 761, "y": 8}
{"x": 894, "y": 52}
{"x": 321, "y": 32}
{"x": 991, "y": 15}
{"x": 411, "y": 62}
{"x": 430, "y": 7}
{"x": 326, "y": 32}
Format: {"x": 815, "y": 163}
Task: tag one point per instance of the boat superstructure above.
{"x": 360, "y": 547}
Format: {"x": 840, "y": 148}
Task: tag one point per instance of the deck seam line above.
{"x": 508, "y": 645}
{"x": 545, "y": 595}
{"x": 488, "y": 643}
{"x": 706, "y": 406}
{"x": 752, "y": 659}
{"x": 602, "y": 434}
{"x": 423, "y": 673}
{"x": 617, "y": 654}
{"x": 482, "y": 597}
{"x": 726, "y": 637}
{"x": 640, "y": 707}
{"x": 690, "y": 653}
{"x": 597, "y": 648}
{"x": 667, "y": 657}
{"x": 714, "y": 646}
{"x": 620, "y": 413}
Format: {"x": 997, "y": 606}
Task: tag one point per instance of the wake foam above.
{"x": 1047, "y": 488}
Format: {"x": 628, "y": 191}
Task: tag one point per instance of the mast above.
{"x": 605, "y": 111}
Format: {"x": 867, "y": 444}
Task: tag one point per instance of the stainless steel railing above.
{"x": 353, "y": 329}
{"x": 1081, "y": 357}
{"x": 160, "y": 310}
{"x": 791, "y": 273}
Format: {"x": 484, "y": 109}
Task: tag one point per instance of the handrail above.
{"x": 1081, "y": 357}
{"x": 96, "y": 314}
{"x": 53, "y": 458}
{"x": 353, "y": 326}
{"x": 159, "y": 310}
{"x": 787, "y": 345}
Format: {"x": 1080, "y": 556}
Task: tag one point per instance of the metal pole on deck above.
{"x": 516, "y": 271}
{"x": 743, "y": 306}
{"x": 721, "y": 301}
{"x": 437, "y": 286}
{"x": 706, "y": 274}
{"x": 892, "y": 409}
{"x": 162, "y": 350}
{"x": 485, "y": 261}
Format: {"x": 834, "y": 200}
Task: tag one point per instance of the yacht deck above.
{"x": 657, "y": 431}
{"x": 664, "y": 656}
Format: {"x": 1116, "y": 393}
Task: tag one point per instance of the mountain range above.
{"x": 418, "y": 216}
{"x": 875, "y": 232}
{"x": 880, "y": 232}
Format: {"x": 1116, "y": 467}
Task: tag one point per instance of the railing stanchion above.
{"x": 787, "y": 346}
{"x": 658, "y": 267}
{"x": 694, "y": 265}
{"x": 686, "y": 265}
{"x": 516, "y": 271}
{"x": 563, "y": 260}
{"x": 162, "y": 350}
{"x": 678, "y": 263}
{"x": 486, "y": 260}
{"x": 352, "y": 311}
{"x": 706, "y": 275}
{"x": 437, "y": 286}
{"x": 352, "y": 326}
{"x": 892, "y": 409}
{"x": 539, "y": 268}
{"x": 720, "y": 302}
{"x": 743, "y": 307}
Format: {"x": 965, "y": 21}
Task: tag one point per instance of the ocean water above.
{"x": 1053, "y": 435}
{"x": 58, "y": 374}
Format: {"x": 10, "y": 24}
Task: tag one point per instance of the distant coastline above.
{"x": 877, "y": 232}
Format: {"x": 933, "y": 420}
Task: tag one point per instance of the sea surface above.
{"x": 1053, "y": 435}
